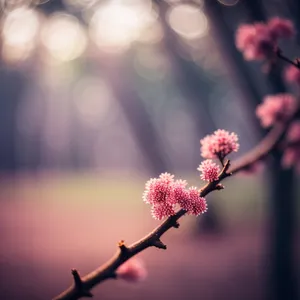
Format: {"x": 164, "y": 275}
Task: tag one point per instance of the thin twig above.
{"x": 108, "y": 270}
{"x": 295, "y": 63}
{"x": 82, "y": 286}
{"x": 153, "y": 239}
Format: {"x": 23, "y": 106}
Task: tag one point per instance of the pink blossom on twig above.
{"x": 292, "y": 75}
{"x": 209, "y": 170}
{"x": 281, "y": 28}
{"x": 194, "y": 205}
{"x": 291, "y": 155}
{"x": 258, "y": 41}
{"x": 293, "y": 134}
{"x": 132, "y": 270}
{"x": 291, "y": 158}
{"x": 255, "y": 41}
{"x": 276, "y": 108}
{"x": 219, "y": 144}
{"x": 160, "y": 190}
{"x": 160, "y": 211}
{"x": 180, "y": 192}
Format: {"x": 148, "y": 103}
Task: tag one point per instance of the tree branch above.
{"x": 82, "y": 286}
{"x": 108, "y": 270}
{"x": 295, "y": 63}
{"x": 265, "y": 147}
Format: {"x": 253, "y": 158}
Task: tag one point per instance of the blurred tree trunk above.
{"x": 12, "y": 85}
{"x": 141, "y": 124}
{"x": 282, "y": 202}
{"x": 233, "y": 60}
{"x": 191, "y": 79}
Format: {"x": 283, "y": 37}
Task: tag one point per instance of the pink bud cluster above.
{"x": 165, "y": 194}
{"x": 219, "y": 144}
{"x": 292, "y": 75}
{"x": 257, "y": 41}
{"x": 276, "y": 108}
{"x": 132, "y": 270}
{"x": 209, "y": 170}
{"x": 291, "y": 155}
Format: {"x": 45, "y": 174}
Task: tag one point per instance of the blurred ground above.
{"x": 51, "y": 223}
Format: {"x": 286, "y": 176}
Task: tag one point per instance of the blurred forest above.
{"x": 99, "y": 95}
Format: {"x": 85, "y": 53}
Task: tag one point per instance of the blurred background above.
{"x": 96, "y": 97}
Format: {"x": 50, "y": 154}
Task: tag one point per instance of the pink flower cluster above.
{"x": 292, "y": 75}
{"x": 291, "y": 155}
{"x": 164, "y": 194}
{"x": 209, "y": 170}
{"x": 132, "y": 270}
{"x": 257, "y": 41}
{"x": 219, "y": 144}
{"x": 276, "y": 108}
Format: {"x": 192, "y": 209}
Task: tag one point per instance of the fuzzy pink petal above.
{"x": 132, "y": 270}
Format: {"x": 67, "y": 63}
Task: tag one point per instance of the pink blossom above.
{"x": 276, "y": 108}
{"x": 159, "y": 190}
{"x": 293, "y": 134}
{"x": 160, "y": 211}
{"x": 291, "y": 155}
{"x": 281, "y": 28}
{"x": 164, "y": 193}
{"x": 209, "y": 170}
{"x": 180, "y": 191}
{"x": 255, "y": 41}
{"x": 291, "y": 158}
{"x": 194, "y": 204}
{"x": 167, "y": 177}
{"x": 292, "y": 75}
{"x": 132, "y": 270}
{"x": 245, "y": 36}
{"x": 219, "y": 144}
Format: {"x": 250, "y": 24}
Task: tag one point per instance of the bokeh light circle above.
{"x": 188, "y": 21}
{"x": 19, "y": 33}
{"x": 64, "y": 37}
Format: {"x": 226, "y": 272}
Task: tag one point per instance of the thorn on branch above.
{"x": 176, "y": 225}
{"x": 219, "y": 186}
{"x": 159, "y": 244}
{"x": 123, "y": 247}
{"x": 79, "y": 285}
{"x": 77, "y": 279}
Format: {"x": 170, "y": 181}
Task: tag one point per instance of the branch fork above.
{"x": 79, "y": 286}
{"x": 82, "y": 287}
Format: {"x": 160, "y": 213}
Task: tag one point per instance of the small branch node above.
{"x": 159, "y": 244}
{"x": 123, "y": 247}
{"x": 224, "y": 172}
{"x": 79, "y": 285}
{"x": 220, "y": 187}
{"x": 176, "y": 225}
{"x": 87, "y": 294}
{"x": 77, "y": 279}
